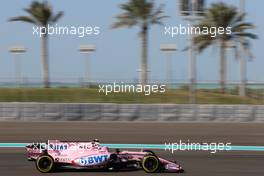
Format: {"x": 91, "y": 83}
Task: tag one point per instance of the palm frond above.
{"x": 57, "y": 17}
{"x": 248, "y": 35}
{"x": 222, "y": 15}
{"x": 40, "y": 13}
{"x": 203, "y": 41}
{"x": 242, "y": 27}
{"x": 139, "y": 12}
{"x": 239, "y": 18}
{"x": 124, "y": 20}
{"x": 157, "y": 15}
{"x": 158, "y": 20}
{"x": 27, "y": 19}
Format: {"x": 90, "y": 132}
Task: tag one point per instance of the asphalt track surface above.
{"x": 196, "y": 163}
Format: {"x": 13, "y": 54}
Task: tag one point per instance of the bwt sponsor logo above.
{"x": 92, "y": 160}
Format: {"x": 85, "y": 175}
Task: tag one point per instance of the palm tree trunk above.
{"x": 243, "y": 73}
{"x": 45, "y": 61}
{"x": 144, "y": 57}
{"x": 222, "y": 67}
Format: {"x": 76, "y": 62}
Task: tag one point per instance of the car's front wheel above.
{"x": 45, "y": 163}
{"x": 150, "y": 163}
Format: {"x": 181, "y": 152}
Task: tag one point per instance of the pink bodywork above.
{"x": 88, "y": 154}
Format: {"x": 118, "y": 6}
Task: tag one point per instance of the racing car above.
{"x": 55, "y": 154}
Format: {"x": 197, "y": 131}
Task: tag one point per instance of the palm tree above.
{"x": 141, "y": 13}
{"x": 41, "y": 14}
{"x": 222, "y": 15}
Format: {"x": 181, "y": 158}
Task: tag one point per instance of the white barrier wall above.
{"x": 130, "y": 112}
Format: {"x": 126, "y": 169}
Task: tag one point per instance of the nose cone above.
{"x": 172, "y": 167}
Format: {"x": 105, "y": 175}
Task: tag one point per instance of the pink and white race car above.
{"x": 56, "y": 154}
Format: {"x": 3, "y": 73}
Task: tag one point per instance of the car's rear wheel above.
{"x": 45, "y": 163}
{"x": 150, "y": 163}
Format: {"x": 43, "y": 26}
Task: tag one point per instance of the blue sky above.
{"x": 118, "y": 51}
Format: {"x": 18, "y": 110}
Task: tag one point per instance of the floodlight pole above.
{"x": 87, "y": 69}
{"x": 87, "y": 49}
{"x": 168, "y": 49}
{"x": 16, "y": 51}
{"x": 18, "y": 70}
{"x": 169, "y": 69}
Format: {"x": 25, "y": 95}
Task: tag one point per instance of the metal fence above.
{"x": 130, "y": 112}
